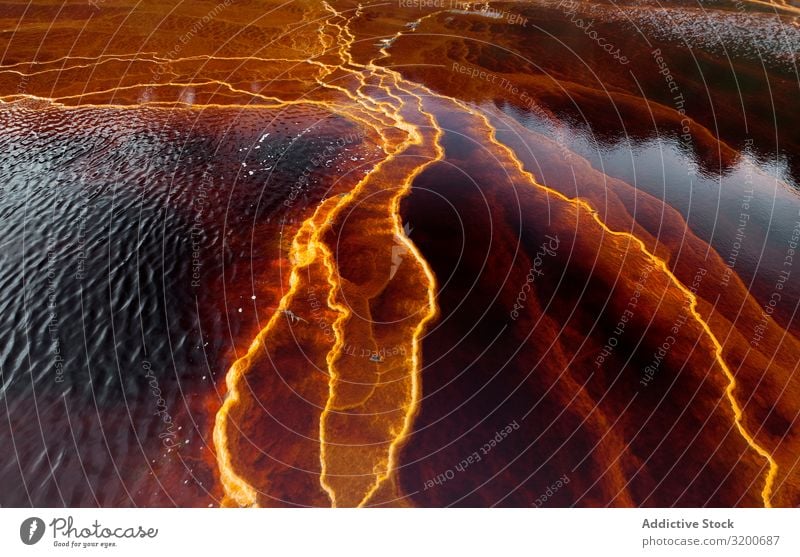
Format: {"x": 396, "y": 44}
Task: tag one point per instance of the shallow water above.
{"x": 119, "y": 228}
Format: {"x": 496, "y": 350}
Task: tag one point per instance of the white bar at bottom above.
{"x": 402, "y": 532}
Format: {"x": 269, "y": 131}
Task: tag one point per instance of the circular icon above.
{"x": 31, "y": 530}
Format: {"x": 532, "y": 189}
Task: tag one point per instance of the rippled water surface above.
{"x": 119, "y": 227}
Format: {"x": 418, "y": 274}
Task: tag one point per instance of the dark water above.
{"x": 746, "y": 211}
{"x": 125, "y": 273}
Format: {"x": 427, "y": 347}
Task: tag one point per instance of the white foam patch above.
{"x": 733, "y": 33}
